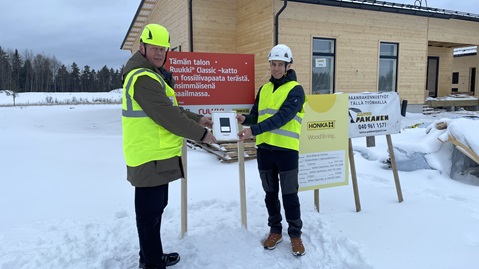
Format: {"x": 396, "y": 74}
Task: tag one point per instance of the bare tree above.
{"x": 55, "y": 65}
{"x": 14, "y": 95}
{"x": 28, "y": 71}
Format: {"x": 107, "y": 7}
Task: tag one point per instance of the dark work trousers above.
{"x": 149, "y": 205}
{"x": 280, "y": 168}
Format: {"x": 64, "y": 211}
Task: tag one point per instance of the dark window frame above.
{"x": 396, "y": 57}
{"x": 455, "y": 77}
{"x": 325, "y": 54}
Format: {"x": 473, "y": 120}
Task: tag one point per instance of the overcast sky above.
{"x": 90, "y": 32}
{"x": 87, "y": 32}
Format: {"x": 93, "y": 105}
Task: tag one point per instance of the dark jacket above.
{"x": 290, "y": 107}
{"x": 151, "y": 96}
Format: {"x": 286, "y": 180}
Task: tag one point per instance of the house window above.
{"x": 388, "y": 63}
{"x": 455, "y": 78}
{"x": 323, "y": 65}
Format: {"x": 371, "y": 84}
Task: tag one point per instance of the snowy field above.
{"x": 65, "y": 202}
{"x": 57, "y": 98}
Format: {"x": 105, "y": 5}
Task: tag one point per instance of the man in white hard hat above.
{"x": 275, "y": 120}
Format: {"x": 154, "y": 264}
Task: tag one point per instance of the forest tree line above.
{"x": 40, "y": 73}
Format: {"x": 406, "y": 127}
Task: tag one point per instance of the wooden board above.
{"x": 452, "y": 103}
{"x": 464, "y": 149}
{"x": 227, "y": 151}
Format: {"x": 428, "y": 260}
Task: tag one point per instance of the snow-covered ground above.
{"x": 65, "y": 202}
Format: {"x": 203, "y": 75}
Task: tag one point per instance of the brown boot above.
{"x": 297, "y": 246}
{"x": 272, "y": 240}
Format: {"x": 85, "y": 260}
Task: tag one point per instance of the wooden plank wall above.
{"x": 445, "y": 69}
{"x": 242, "y": 26}
{"x": 456, "y": 31}
{"x": 247, "y": 26}
{"x": 463, "y": 65}
{"x": 255, "y": 34}
{"x": 172, "y": 14}
{"x": 214, "y": 26}
{"x": 358, "y": 34}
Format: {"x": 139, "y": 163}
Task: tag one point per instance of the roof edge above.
{"x": 396, "y": 8}
{"x": 132, "y": 23}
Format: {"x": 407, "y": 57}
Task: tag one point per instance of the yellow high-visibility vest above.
{"x": 143, "y": 139}
{"x": 269, "y": 103}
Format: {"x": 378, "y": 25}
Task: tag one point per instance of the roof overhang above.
{"x": 448, "y": 44}
{"x": 138, "y": 23}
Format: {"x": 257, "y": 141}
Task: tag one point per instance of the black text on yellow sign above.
{"x": 321, "y": 125}
{"x": 241, "y": 110}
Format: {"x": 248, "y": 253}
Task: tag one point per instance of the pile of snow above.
{"x": 428, "y": 152}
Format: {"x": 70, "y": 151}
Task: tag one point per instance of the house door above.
{"x": 432, "y": 76}
{"x": 473, "y": 80}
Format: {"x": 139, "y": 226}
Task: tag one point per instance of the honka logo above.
{"x": 321, "y": 125}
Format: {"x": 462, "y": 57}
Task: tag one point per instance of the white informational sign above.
{"x": 225, "y": 126}
{"x": 375, "y": 113}
{"x": 323, "y": 169}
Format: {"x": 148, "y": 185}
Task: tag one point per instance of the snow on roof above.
{"x": 411, "y": 9}
{"x": 465, "y": 51}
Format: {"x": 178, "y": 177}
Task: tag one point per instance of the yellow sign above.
{"x": 323, "y": 146}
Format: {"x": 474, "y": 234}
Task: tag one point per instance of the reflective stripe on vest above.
{"x": 143, "y": 139}
{"x": 130, "y": 79}
{"x": 269, "y": 104}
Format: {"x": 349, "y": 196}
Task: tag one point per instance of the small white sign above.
{"x": 321, "y": 62}
{"x": 225, "y": 126}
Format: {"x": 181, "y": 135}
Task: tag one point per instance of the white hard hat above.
{"x": 281, "y": 52}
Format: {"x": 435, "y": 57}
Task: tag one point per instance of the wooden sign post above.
{"x": 372, "y": 114}
{"x": 184, "y": 192}
{"x": 242, "y": 185}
